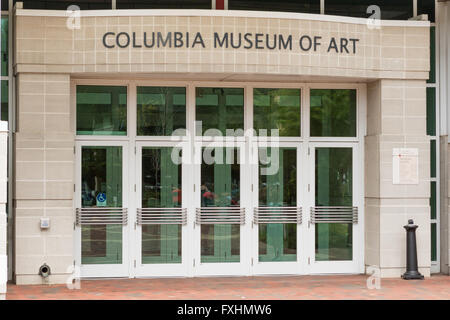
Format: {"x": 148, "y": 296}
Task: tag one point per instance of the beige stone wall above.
{"x": 445, "y": 209}
{"x": 44, "y": 172}
{"x": 45, "y": 44}
{"x": 48, "y": 54}
{"x": 396, "y": 118}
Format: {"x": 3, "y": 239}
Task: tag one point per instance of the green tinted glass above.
{"x": 4, "y": 102}
{"x": 431, "y": 111}
{"x": 333, "y": 113}
{"x": 277, "y": 242}
{"x": 220, "y": 109}
{"x": 220, "y": 243}
{"x": 277, "y": 109}
{"x": 160, "y": 110}
{"x": 101, "y": 172}
{"x": 433, "y": 242}
{"x": 161, "y": 188}
{"x": 334, "y": 183}
{"x": 334, "y": 177}
{"x": 220, "y": 177}
{"x": 161, "y": 243}
{"x": 220, "y": 182}
{"x": 433, "y": 200}
{"x": 5, "y": 37}
{"x": 432, "y": 77}
{"x": 101, "y": 110}
{"x": 433, "y": 158}
{"x": 277, "y": 188}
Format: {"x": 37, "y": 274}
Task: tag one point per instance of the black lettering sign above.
{"x": 260, "y": 41}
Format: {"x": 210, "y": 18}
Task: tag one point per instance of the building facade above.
{"x": 194, "y": 138}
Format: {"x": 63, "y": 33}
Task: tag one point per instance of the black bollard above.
{"x": 412, "y": 269}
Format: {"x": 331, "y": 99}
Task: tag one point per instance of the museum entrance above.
{"x": 198, "y": 179}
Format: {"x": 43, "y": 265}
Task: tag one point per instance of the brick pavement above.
{"x": 263, "y": 287}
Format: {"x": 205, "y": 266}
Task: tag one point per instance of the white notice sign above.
{"x": 405, "y": 166}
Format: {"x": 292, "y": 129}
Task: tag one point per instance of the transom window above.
{"x": 163, "y": 111}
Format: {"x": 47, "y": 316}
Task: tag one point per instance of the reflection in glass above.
{"x": 334, "y": 183}
{"x": 4, "y": 102}
{"x": 101, "y": 110}
{"x": 64, "y": 4}
{"x": 220, "y": 109}
{"x": 277, "y": 109}
{"x": 389, "y": 10}
{"x": 278, "y": 188}
{"x": 4, "y": 45}
{"x": 161, "y": 188}
{"x": 431, "y": 111}
{"x": 101, "y": 172}
{"x": 433, "y": 241}
{"x": 303, "y": 6}
{"x": 160, "y": 110}
{"x": 172, "y": 4}
{"x": 333, "y": 112}
{"x": 220, "y": 181}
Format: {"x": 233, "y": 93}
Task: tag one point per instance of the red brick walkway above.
{"x": 279, "y": 287}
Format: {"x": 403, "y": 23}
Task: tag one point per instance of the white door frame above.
{"x": 229, "y": 268}
{"x": 286, "y": 267}
{"x": 162, "y": 270}
{"x": 339, "y": 267}
{"x": 103, "y": 270}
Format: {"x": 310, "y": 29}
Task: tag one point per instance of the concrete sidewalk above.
{"x": 264, "y": 287}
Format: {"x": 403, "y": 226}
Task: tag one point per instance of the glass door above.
{"x": 101, "y": 209}
{"x": 161, "y": 219}
{"x": 277, "y": 216}
{"x": 334, "y": 210}
{"x": 219, "y": 227}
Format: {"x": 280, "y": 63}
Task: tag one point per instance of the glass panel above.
{"x": 433, "y": 242}
{"x": 333, "y": 113}
{"x": 390, "y": 10}
{"x": 426, "y": 7}
{"x": 431, "y": 111}
{"x": 433, "y": 158}
{"x": 220, "y": 109}
{"x": 5, "y": 46}
{"x": 161, "y": 188}
{"x": 334, "y": 183}
{"x": 220, "y": 181}
{"x": 160, "y": 110}
{"x": 305, "y": 6}
{"x": 278, "y": 188}
{"x": 166, "y": 4}
{"x": 101, "y": 110}
{"x": 432, "y": 77}
{"x": 101, "y": 172}
{"x": 5, "y": 5}
{"x": 277, "y": 109}
{"x": 63, "y": 4}
{"x": 433, "y": 200}
{"x": 4, "y": 102}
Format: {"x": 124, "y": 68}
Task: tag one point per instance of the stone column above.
{"x": 3, "y": 200}
{"x": 396, "y": 118}
{"x": 44, "y": 173}
{"x": 445, "y": 209}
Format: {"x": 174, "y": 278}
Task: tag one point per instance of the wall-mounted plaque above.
{"x": 405, "y": 166}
